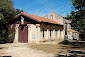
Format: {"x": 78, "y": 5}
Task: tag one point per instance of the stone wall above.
{"x": 32, "y": 33}
{"x": 11, "y": 31}
{"x": 51, "y": 29}
{"x": 52, "y": 15}
{"x": 55, "y": 17}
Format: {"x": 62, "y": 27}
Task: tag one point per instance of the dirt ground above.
{"x": 21, "y": 50}
{"x": 43, "y": 49}
{"x": 55, "y": 48}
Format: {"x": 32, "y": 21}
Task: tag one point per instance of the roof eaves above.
{"x": 26, "y": 16}
{"x": 32, "y": 18}
{"x": 52, "y": 23}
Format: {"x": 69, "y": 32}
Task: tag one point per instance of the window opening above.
{"x": 51, "y": 16}
{"x": 56, "y": 32}
{"x": 50, "y": 32}
{"x": 22, "y": 28}
{"x": 60, "y": 32}
{"x": 43, "y": 32}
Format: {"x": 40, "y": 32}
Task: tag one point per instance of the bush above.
{"x": 2, "y": 40}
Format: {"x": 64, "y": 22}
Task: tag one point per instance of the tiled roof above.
{"x": 72, "y": 30}
{"x": 37, "y": 18}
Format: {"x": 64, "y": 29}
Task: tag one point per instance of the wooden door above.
{"x": 23, "y": 34}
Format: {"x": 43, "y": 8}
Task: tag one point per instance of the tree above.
{"x": 78, "y": 17}
{"x": 78, "y": 4}
{"x": 68, "y": 17}
{"x": 7, "y": 12}
{"x": 18, "y": 11}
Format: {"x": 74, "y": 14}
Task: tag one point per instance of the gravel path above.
{"x": 21, "y": 50}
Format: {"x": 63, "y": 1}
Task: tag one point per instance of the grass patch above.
{"x": 49, "y": 48}
{"x": 58, "y": 40}
{"x": 56, "y": 48}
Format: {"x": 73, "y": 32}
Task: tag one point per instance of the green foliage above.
{"x": 7, "y": 12}
{"x": 78, "y": 17}
{"x": 1, "y": 16}
{"x": 78, "y": 4}
{"x": 68, "y": 17}
{"x": 18, "y": 11}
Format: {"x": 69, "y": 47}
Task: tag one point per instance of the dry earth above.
{"x": 21, "y": 50}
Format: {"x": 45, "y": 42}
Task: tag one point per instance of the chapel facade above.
{"x": 27, "y": 28}
{"x": 72, "y": 34}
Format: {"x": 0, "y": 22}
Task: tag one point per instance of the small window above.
{"x": 22, "y": 28}
{"x": 51, "y": 16}
{"x": 43, "y": 32}
{"x": 56, "y": 32}
{"x": 50, "y": 32}
{"x": 60, "y": 32}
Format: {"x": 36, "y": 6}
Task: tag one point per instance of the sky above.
{"x": 43, "y": 7}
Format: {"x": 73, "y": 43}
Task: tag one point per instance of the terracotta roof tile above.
{"x": 38, "y": 18}
{"x": 72, "y": 30}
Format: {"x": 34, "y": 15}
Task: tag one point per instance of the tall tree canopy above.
{"x": 78, "y": 4}
{"x": 7, "y": 12}
{"x": 78, "y": 17}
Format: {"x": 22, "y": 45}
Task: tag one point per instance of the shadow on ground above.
{"x": 73, "y": 45}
